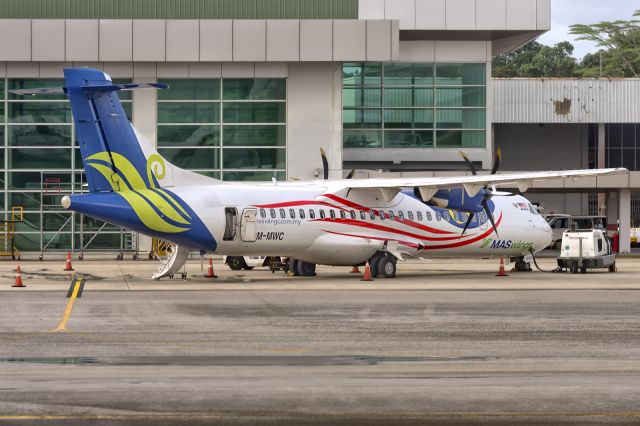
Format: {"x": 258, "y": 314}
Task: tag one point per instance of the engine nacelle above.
{"x": 456, "y": 199}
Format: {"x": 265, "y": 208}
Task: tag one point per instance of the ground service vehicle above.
{"x": 584, "y": 249}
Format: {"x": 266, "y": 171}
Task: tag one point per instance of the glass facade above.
{"x": 41, "y": 164}
{"x": 231, "y": 129}
{"x": 414, "y": 105}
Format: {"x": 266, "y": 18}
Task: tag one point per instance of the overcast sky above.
{"x": 567, "y": 12}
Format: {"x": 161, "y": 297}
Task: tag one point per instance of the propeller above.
{"x": 487, "y": 193}
{"x": 325, "y": 167}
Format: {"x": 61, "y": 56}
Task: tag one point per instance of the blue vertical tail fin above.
{"x": 111, "y": 152}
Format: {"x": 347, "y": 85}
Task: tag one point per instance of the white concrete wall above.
{"x": 159, "y": 40}
{"x": 528, "y": 15}
{"x": 314, "y": 119}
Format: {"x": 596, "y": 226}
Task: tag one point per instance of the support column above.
{"x": 602, "y": 200}
{"x": 145, "y": 121}
{"x": 624, "y": 210}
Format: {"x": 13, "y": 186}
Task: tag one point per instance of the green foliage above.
{"x": 619, "y": 55}
{"x": 620, "y": 44}
{"x": 537, "y": 60}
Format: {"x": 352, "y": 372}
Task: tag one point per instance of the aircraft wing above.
{"x": 472, "y": 184}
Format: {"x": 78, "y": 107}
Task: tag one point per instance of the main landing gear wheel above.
{"x": 293, "y": 267}
{"x": 306, "y": 269}
{"x": 383, "y": 264}
{"x": 387, "y": 266}
{"x": 236, "y": 263}
{"x": 374, "y": 264}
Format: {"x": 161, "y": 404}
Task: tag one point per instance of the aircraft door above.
{"x": 231, "y": 215}
{"x": 248, "y": 225}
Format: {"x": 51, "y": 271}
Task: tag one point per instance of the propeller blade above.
{"x": 351, "y": 173}
{"x": 469, "y": 163}
{"x": 325, "y": 165}
{"x": 485, "y": 206}
{"x": 466, "y": 225}
{"x": 496, "y": 163}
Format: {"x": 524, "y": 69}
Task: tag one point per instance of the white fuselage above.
{"x": 311, "y": 222}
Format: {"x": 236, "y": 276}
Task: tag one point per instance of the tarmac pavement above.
{"x": 446, "y": 342}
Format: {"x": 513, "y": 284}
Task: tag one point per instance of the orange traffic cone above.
{"x": 501, "y": 271}
{"x": 18, "y": 282}
{"x": 68, "y": 266}
{"x": 367, "y": 273}
{"x": 210, "y": 273}
{"x": 355, "y": 270}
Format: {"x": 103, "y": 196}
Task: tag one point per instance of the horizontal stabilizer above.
{"x": 90, "y": 88}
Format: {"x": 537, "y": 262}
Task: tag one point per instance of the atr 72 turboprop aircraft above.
{"x": 339, "y": 222}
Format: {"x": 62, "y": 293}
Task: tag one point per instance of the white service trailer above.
{"x": 584, "y": 249}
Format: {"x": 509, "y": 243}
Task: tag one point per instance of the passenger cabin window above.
{"x": 353, "y": 214}
{"x": 420, "y": 216}
{"x": 381, "y": 214}
{"x": 322, "y": 216}
{"x": 438, "y": 216}
{"x": 263, "y": 213}
{"x": 363, "y": 215}
{"x": 372, "y": 215}
{"x": 343, "y": 215}
{"x": 392, "y": 215}
{"x": 410, "y": 215}
{"x": 429, "y": 217}
{"x": 283, "y": 214}
{"x": 312, "y": 214}
{"x": 332, "y": 213}
{"x": 400, "y": 215}
{"x": 272, "y": 212}
{"x": 292, "y": 213}
{"x": 301, "y": 213}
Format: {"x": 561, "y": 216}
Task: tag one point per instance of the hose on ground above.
{"x": 558, "y": 269}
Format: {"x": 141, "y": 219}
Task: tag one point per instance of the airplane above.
{"x": 330, "y": 222}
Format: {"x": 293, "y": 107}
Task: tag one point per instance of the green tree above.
{"x": 619, "y": 42}
{"x": 537, "y": 60}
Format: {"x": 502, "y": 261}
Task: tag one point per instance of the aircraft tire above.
{"x": 236, "y": 263}
{"x": 306, "y": 269}
{"x": 293, "y": 267}
{"x": 374, "y": 264}
{"x": 387, "y": 266}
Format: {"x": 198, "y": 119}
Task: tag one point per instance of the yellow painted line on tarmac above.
{"x": 62, "y": 325}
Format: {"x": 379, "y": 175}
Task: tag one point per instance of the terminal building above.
{"x": 259, "y": 86}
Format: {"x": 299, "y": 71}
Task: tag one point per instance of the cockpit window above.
{"x": 533, "y": 210}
